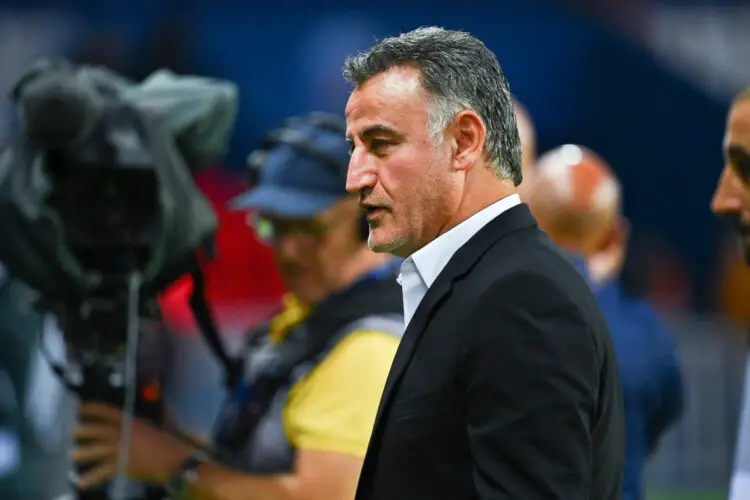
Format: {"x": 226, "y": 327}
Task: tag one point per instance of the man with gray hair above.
{"x": 505, "y": 384}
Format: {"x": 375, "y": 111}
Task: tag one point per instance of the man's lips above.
{"x": 373, "y": 211}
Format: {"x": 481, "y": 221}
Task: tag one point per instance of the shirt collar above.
{"x": 430, "y": 260}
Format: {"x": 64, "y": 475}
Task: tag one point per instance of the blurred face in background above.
{"x": 401, "y": 173}
{"x": 310, "y": 253}
{"x": 732, "y": 195}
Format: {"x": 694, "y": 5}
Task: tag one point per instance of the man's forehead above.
{"x": 384, "y": 93}
{"x": 400, "y": 81}
{"x": 737, "y": 132}
{"x": 738, "y": 123}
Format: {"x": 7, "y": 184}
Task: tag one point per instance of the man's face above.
{"x": 309, "y": 253}
{"x": 732, "y": 195}
{"x": 400, "y": 172}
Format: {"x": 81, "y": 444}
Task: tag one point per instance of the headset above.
{"x": 290, "y": 135}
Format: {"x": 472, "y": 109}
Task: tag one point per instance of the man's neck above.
{"x": 481, "y": 190}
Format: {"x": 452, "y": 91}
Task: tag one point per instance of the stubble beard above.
{"x": 391, "y": 246}
{"x": 405, "y": 236}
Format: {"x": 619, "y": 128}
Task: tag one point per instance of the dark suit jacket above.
{"x": 505, "y": 385}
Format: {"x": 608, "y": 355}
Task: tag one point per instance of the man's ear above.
{"x": 606, "y": 264}
{"x": 617, "y": 236}
{"x": 468, "y": 134}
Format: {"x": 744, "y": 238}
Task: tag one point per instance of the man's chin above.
{"x": 380, "y": 241}
{"x": 380, "y": 246}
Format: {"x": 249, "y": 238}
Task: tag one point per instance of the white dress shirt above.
{"x": 420, "y": 269}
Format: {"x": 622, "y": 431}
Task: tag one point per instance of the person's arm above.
{"x": 329, "y": 419}
{"x": 155, "y": 456}
{"x": 317, "y": 476}
{"x": 169, "y": 424}
{"x": 530, "y": 371}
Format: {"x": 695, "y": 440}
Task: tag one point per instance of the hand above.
{"x": 153, "y": 456}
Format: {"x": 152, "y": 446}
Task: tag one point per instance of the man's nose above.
{"x": 361, "y": 173}
{"x": 726, "y": 199}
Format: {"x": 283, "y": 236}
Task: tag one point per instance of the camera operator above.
{"x": 343, "y": 312}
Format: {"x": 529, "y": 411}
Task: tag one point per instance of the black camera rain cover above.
{"x": 33, "y": 247}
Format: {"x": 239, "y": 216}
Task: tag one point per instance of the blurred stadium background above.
{"x": 645, "y": 83}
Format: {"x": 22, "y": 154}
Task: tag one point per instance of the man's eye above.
{"x": 739, "y": 158}
{"x": 378, "y": 145}
{"x": 743, "y": 170}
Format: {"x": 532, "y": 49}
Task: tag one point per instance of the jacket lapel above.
{"x": 404, "y": 354}
{"x": 411, "y": 337}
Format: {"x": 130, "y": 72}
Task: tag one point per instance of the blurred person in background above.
{"x": 732, "y": 195}
{"x": 577, "y": 200}
{"x": 732, "y": 200}
{"x": 299, "y": 425}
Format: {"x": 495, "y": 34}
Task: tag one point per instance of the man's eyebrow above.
{"x": 379, "y": 129}
{"x": 374, "y": 130}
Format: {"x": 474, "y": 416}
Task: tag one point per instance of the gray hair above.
{"x": 460, "y": 73}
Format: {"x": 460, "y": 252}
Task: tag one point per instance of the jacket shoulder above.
{"x": 530, "y": 253}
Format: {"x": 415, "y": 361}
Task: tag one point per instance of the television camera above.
{"x": 100, "y": 213}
